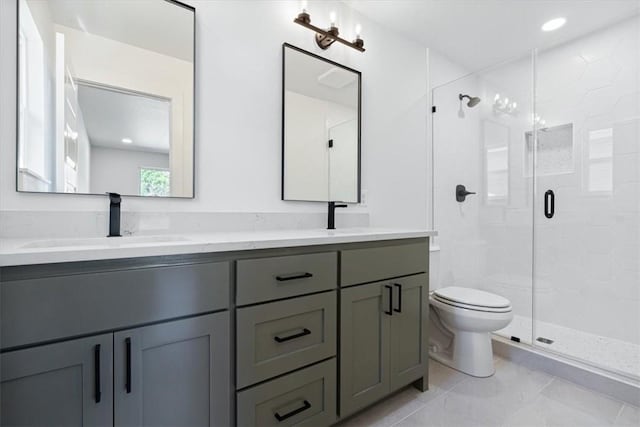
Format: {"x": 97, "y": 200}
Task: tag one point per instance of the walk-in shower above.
{"x": 554, "y": 156}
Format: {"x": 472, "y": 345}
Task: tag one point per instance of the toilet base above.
{"x": 471, "y": 354}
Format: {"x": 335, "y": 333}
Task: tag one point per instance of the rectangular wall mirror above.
{"x": 320, "y": 129}
{"x": 106, "y": 97}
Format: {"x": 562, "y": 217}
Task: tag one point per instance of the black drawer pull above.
{"x": 399, "y": 309}
{"x": 304, "y": 332}
{"x": 96, "y": 373}
{"x": 303, "y": 408}
{"x": 390, "y": 311}
{"x": 293, "y": 277}
{"x": 127, "y": 383}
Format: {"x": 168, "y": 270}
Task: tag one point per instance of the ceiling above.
{"x": 480, "y": 33}
{"x": 109, "y": 116}
{"x": 155, "y": 25}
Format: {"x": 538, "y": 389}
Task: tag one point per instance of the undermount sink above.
{"x": 103, "y": 242}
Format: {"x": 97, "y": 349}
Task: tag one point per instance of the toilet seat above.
{"x": 472, "y": 299}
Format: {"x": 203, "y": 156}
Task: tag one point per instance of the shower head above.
{"x": 473, "y": 100}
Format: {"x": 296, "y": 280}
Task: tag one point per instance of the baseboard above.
{"x": 602, "y": 382}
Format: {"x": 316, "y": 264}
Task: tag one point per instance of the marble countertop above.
{"x": 44, "y": 251}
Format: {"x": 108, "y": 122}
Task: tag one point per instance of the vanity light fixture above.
{"x": 325, "y": 38}
{"x": 127, "y": 141}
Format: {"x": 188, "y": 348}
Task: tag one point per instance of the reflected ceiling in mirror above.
{"x": 105, "y": 97}
{"x": 321, "y": 129}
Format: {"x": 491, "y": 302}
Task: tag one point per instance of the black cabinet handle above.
{"x": 127, "y": 384}
{"x": 390, "y": 311}
{"x": 549, "y": 203}
{"x": 96, "y": 373}
{"x": 293, "y": 277}
{"x": 306, "y": 405}
{"x": 304, "y": 332}
{"x": 399, "y": 309}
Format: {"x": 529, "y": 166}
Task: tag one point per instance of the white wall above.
{"x": 118, "y": 171}
{"x": 238, "y": 108}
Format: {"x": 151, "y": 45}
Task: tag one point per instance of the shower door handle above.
{"x": 549, "y": 203}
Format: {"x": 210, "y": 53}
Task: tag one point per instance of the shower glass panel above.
{"x": 486, "y": 240}
{"x": 587, "y": 255}
{"x": 555, "y": 223}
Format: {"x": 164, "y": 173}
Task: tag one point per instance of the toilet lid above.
{"x": 471, "y": 297}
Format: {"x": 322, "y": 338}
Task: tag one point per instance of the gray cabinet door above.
{"x": 364, "y": 346}
{"x": 174, "y": 374}
{"x": 63, "y": 384}
{"x": 408, "y": 346}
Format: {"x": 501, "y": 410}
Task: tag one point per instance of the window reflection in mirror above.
{"x": 321, "y": 129}
{"x": 104, "y": 92}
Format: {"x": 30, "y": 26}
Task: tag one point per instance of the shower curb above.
{"x": 619, "y": 388}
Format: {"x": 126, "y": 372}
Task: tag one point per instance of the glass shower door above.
{"x": 587, "y": 199}
{"x": 486, "y": 240}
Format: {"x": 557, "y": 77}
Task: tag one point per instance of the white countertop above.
{"x": 44, "y": 251}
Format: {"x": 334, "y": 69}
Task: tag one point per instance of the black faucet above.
{"x": 331, "y": 218}
{"x": 114, "y": 214}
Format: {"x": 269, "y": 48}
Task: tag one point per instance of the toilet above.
{"x": 461, "y": 322}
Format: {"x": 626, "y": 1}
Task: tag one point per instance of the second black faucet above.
{"x": 114, "y": 214}
{"x": 331, "y": 218}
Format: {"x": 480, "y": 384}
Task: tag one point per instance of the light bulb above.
{"x": 303, "y": 6}
{"x": 514, "y": 105}
{"x": 553, "y": 24}
{"x": 496, "y": 98}
{"x": 332, "y": 18}
{"x": 358, "y": 30}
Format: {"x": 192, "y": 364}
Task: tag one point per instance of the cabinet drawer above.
{"x": 281, "y": 336}
{"x": 267, "y": 279}
{"x": 384, "y": 262}
{"x": 303, "y": 398}
{"x": 49, "y": 308}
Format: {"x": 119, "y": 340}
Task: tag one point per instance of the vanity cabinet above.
{"x": 382, "y": 345}
{"x": 303, "y": 336}
{"x": 174, "y": 373}
{"x": 62, "y": 384}
{"x": 157, "y": 349}
{"x": 383, "y": 341}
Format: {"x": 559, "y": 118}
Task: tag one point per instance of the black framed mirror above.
{"x": 106, "y": 97}
{"x": 321, "y": 128}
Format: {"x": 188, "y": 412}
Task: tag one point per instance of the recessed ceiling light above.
{"x": 554, "y": 24}
{"x": 127, "y": 140}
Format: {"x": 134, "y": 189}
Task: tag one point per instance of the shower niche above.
{"x": 555, "y": 151}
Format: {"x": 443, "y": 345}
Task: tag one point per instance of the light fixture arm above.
{"x": 325, "y": 38}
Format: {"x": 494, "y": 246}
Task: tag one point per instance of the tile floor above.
{"x": 514, "y": 396}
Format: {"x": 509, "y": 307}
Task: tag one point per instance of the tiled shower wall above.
{"x": 587, "y": 265}
{"x": 587, "y": 258}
